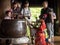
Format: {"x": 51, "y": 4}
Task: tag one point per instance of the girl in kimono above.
{"x": 40, "y": 35}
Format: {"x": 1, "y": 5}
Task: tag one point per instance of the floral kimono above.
{"x": 40, "y": 35}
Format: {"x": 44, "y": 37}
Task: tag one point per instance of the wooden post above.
{"x": 58, "y": 14}
{"x": 4, "y": 4}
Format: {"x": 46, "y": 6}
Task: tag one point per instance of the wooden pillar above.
{"x": 58, "y": 14}
{"x": 4, "y": 4}
{"x": 58, "y": 10}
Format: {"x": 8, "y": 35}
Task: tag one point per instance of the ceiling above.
{"x": 38, "y": 2}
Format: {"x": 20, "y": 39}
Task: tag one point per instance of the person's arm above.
{"x": 30, "y": 13}
{"x": 22, "y": 12}
{"x": 54, "y": 16}
{"x": 41, "y": 15}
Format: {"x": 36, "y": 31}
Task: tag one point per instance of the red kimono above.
{"x": 40, "y": 36}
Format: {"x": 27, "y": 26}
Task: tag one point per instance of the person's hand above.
{"x": 41, "y": 20}
{"x": 20, "y": 16}
{"x": 12, "y": 18}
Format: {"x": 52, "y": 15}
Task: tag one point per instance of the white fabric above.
{"x": 26, "y": 12}
{"x": 21, "y": 40}
{"x": 7, "y": 17}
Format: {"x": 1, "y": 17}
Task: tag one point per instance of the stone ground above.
{"x": 57, "y": 40}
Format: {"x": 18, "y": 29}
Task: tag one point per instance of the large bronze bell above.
{"x": 13, "y": 28}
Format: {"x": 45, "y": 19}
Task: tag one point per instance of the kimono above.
{"x": 40, "y": 35}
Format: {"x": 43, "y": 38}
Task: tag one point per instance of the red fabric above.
{"x": 40, "y": 36}
{"x": 45, "y": 15}
{"x": 43, "y": 26}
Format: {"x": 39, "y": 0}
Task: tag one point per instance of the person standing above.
{"x": 47, "y": 16}
{"x": 26, "y": 10}
{"x": 17, "y": 10}
{"x": 27, "y": 14}
{"x": 53, "y": 17}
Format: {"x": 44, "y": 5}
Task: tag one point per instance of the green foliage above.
{"x": 35, "y": 12}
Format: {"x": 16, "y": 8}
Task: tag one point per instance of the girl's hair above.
{"x": 45, "y": 1}
{"x": 14, "y": 3}
{"x": 7, "y": 12}
{"x": 26, "y": 2}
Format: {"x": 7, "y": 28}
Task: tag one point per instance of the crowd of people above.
{"x": 17, "y": 11}
{"x": 47, "y": 18}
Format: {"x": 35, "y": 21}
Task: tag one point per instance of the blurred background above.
{"x": 35, "y": 7}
